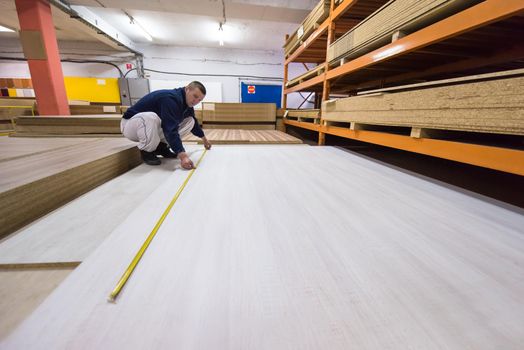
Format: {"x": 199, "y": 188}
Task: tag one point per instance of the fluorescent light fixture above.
{"x": 221, "y": 35}
{"x": 142, "y": 31}
{"x": 137, "y": 25}
{"x": 5, "y": 29}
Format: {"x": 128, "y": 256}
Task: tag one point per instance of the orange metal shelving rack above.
{"x": 487, "y": 37}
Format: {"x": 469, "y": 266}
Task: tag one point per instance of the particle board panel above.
{"x": 304, "y": 248}
{"x": 495, "y": 106}
{"x": 14, "y": 148}
{"x": 397, "y": 15}
{"x": 244, "y": 136}
{"x": 21, "y": 291}
{"x": 238, "y": 112}
{"x": 34, "y": 185}
{"x": 68, "y": 125}
{"x": 239, "y": 126}
{"x": 319, "y": 13}
{"x": 72, "y": 232}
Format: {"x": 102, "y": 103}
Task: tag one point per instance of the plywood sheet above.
{"x": 33, "y": 185}
{"x": 277, "y": 247}
{"x": 244, "y": 136}
{"x": 68, "y": 125}
{"x": 238, "y": 112}
{"x": 21, "y": 291}
{"x": 406, "y": 15}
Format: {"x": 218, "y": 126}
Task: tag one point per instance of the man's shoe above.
{"x": 164, "y": 151}
{"x": 149, "y": 158}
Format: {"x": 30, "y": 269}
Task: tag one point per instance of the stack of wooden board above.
{"x": 39, "y": 175}
{"x": 236, "y": 136}
{"x": 239, "y": 115}
{"x": 308, "y": 26}
{"x": 397, "y": 15}
{"x": 76, "y": 109}
{"x": 286, "y": 247}
{"x": 14, "y": 107}
{"x": 493, "y": 106}
{"x": 94, "y": 125}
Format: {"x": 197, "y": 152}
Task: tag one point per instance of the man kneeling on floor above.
{"x": 159, "y": 120}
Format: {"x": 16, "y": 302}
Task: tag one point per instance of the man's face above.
{"x": 193, "y": 96}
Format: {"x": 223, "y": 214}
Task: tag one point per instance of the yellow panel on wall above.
{"x": 92, "y": 89}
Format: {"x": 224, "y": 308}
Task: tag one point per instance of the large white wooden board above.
{"x": 284, "y": 247}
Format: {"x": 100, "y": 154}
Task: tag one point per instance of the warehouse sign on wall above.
{"x": 251, "y": 89}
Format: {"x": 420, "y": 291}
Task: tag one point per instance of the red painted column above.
{"x": 46, "y": 70}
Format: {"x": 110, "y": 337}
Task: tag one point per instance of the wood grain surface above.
{"x": 285, "y": 247}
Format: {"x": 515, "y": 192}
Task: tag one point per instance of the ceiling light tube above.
{"x": 5, "y": 29}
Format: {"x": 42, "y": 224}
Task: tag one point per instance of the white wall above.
{"x": 226, "y": 66}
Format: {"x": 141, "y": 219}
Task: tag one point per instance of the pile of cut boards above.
{"x": 259, "y": 116}
{"x": 397, "y": 16}
{"x": 66, "y": 168}
{"x": 14, "y": 107}
{"x": 491, "y": 106}
{"x": 308, "y": 26}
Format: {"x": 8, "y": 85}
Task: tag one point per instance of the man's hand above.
{"x": 207, "y": 144}
{"x": 185, "y": 161}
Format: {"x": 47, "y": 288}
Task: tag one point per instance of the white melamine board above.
{"x": 73, "y": 231}
{"x": 285, "y": 247}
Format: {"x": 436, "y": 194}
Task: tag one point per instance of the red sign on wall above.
{"x": 129, "y": 66}
{"x": 251, "y": 89}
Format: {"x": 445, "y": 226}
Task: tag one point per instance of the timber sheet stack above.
{"x": 38, "y": 176}
{"x": 11, "y": 108}
{"x": 397, "y": 15}
{"x": 495, "y": 106}
{"x": 239, "y": 115}
{"x": 68, "y": 125}
{"x": 308, "y": 26}
{"x": 236, "y": 136}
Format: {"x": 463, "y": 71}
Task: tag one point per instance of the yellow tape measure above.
{"x": 141, "y": 251}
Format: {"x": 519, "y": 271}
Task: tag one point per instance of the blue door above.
{"x": 260, "y": 93}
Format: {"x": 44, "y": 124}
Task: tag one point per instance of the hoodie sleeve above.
{"x": 197, "y": 130}
{"x": 171, "y": 118}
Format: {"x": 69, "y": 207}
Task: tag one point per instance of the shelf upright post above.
{"x": 326, "y": 86}
{"x": 284, "y": 95}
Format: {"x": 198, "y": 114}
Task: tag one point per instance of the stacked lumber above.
{"x": 50, "y": 172}
{"x": 14, "y": 107}
{"x": 306, "y": 76}
{"x": 238, "y": 115}
{"x": 493, "y": 106}
{"x": 236, "y": 136}
{"x": 308, "y": 26}
{"x": 68, "y": 125}
{"x": 404, "y": 16}
{"x": 77, "y": 109}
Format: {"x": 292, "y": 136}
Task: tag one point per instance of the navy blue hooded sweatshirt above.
{"x": 171, "y": 107}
